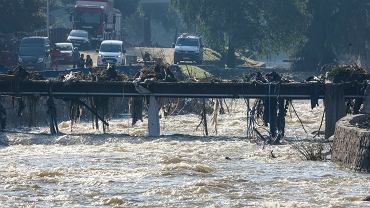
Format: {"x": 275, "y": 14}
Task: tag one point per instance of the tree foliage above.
{"x": 127, "y": 7}
{"x": 318, "y": 31}
{"x": 337, "y": 28}
{"x": 162, "y": 13}
{"x": 263, "y": 26}
{"x": 21, "y": 15}
{"x": 64, "y": 2}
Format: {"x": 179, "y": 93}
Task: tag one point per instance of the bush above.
{"x": 312, "y": 152}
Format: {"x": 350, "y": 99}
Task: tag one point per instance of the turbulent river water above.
{"x": 181, "y": 169}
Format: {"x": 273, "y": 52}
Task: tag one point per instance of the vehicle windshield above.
{"x": 110, "y": 48}
{"x": 79, "y": 33}
{"x": 89, "y": 18}
{"x": 64, "y": 47}
{"x": 187, "y": 42}
{"x": 31, "y": 51}
{"x": 33, "y": 41}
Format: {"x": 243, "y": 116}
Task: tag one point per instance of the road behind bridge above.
{"x": 165, "y": 53}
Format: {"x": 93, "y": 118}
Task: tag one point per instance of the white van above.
{"x": 188, "y": 48}
{"x": 111, "y": 52}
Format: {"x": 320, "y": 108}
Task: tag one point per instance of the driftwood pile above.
{"x": 21, "y": 74}
{"x": 344, "y": 73}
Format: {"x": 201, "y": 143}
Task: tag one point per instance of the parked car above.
{"x": 111, "y": 52}
{"x": 79, "y": 38}
{"x": 66, "y": 53}
{"x": 188, "y": 48}
{"x": 34, "y": 53}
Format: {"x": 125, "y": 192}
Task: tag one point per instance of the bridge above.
{"x": 334, "y": 95}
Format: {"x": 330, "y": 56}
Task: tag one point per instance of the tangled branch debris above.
{"x": 271, "y": 110}
{"x": 312, "y": 152}
{"x": 344, "y": 73}
{"x": 21, "y": 74}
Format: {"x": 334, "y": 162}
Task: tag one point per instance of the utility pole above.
{"x": 47, "y": 17}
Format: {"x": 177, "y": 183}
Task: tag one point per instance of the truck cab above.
{"x": 111, "y": 52}
{"x": 98, "y": 18}
{"x": 91, "y": 19}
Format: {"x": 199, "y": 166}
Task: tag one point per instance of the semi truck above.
{"x": 99, "y": 18}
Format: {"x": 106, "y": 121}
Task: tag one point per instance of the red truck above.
{"x": 99, "y": 18}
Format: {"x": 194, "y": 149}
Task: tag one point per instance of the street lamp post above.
{"x": 47, "y": 17}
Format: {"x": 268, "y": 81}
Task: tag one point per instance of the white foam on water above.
{"x": 123, "y": 168}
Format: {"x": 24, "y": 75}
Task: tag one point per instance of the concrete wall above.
{"x": 351, "y": 148}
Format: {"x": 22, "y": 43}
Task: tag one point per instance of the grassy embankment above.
{"x": 212, "y": 66}
{"x": 209, "y": 57}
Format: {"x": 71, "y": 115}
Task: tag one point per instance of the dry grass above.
{"x": 210, "y": 55}
{"x": 312, "y": 152}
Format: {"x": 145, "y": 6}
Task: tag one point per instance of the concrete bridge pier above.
{"x": 335, "y": 107}
{"x": 153, "y": 117}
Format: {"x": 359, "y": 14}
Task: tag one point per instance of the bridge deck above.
{"x": 177, "y": 89}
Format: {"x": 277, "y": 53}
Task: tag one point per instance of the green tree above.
{"x": 64, "y": 2}
{"x": 127, "y": 7}
{"x": 21, "y": 15}
{"x": 337, "y": 27}
{"x": 160, "y": 12}
{"x": 262, "y": 26}
{"x": 148, "y": 11}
